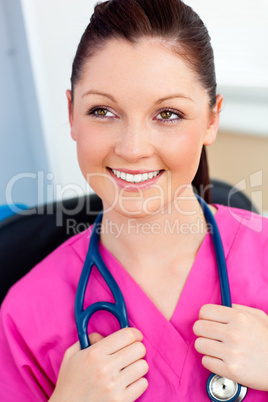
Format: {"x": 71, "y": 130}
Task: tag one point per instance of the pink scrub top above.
{"x": 37, "y": 317}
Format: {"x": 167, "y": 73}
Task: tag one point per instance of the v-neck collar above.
{"x": 170, "y": 338}
{"x": 196, "y": 276}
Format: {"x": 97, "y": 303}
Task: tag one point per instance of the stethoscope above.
{"x": 218, "y": 388}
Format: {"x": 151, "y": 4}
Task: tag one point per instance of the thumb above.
{"x": 95, "y": 337}
{"x": 73, "y": 349}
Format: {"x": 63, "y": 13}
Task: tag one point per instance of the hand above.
{"x": 111, "y": 369}
{"x": 234, "y": 342}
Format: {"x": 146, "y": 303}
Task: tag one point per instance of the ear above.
{"x": 70, "y": 112}
{"x": 214, "y": 121}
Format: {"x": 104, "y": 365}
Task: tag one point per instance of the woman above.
{"x": 142, "y": 106}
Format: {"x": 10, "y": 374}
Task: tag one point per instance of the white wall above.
{"x": 239, "y": 33}
{"x": 54, "y": 28}
{"x": 22, "y": 142}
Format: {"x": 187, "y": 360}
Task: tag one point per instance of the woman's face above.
{"x": 140, "y": 118}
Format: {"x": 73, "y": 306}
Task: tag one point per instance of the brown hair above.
{"x": 168, "y": 19}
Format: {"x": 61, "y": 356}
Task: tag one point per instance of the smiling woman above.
{"x": 142, "y": 106}
{"x": 188, "y": 39}
{"x": 153, "y": 139}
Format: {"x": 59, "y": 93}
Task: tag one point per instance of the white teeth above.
{"x": 144, "y": 177}
{"x": 129, "y": 177}
{"x": 135, "y": 178}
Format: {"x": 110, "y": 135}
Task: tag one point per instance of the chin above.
{"x": 136, "y": 209}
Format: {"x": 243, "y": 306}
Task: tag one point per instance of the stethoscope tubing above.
{"x": 118, "y": 308}
{"x": 219, "y": 253}
{"x": 241, "y": 392}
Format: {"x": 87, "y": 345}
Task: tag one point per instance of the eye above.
{"x": 101, "y": 113}
{"x": 167, "y": 115}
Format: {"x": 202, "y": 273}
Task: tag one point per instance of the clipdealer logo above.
{"x": 133, "y": 226}
{"x": 47, "y": 189}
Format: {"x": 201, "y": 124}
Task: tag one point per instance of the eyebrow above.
{"x": 94, "y": 92}
{"x": 173, "y": 97}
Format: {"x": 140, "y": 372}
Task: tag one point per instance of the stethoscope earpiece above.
{"x": 221, "y": 389}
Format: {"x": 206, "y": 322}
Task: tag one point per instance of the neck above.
{"x": 149, "y": 240}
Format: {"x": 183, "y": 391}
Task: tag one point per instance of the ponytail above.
{"x": 201, "y": 182}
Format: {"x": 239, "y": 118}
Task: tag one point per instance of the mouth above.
{"x": 136, "y": 178}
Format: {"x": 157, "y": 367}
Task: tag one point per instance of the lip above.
{"x": 135, "y": 171}
{"x": 135, "y": 186}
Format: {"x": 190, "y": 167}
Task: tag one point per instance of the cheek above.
{"x": 183, "y": 155}
{"x": 91, "y": 150}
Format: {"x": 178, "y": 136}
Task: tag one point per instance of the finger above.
{"x": 213, "y": 312}
{"x": 119, "y": 340}
{"x": 219, "y": 367}
{"x": 135, "y": 390}
{"x": 76, "y": 347}
{"x": 243, "y": 308}
{"x": 72, "y": 350}
{"x": 95, "y": 337}
{"x": 130, "y": 354}
{"x": 210, "y": 329}
{"x": 210, "y": 347}
{"x": 249, "y": 310}
{"x": 134, "y": 372}
{"x": 215, "y": 365}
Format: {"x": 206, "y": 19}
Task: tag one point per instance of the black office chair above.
{"x": 225, "y": 194}
{"x": 27, "y": 238}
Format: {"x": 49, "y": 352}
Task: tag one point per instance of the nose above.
{"x": 134, "y": 142}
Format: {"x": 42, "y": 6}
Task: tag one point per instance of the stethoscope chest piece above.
{"x": 221, "y": 389}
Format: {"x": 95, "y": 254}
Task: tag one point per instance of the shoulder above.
{"x": 245, "y": 240}
{"x": 242, "y": 222}
{"x": 53, "y": 279}
{"x": 39, "y": 308}
{"x": 244, "y": 235}
{"x": 37, "y": 320}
